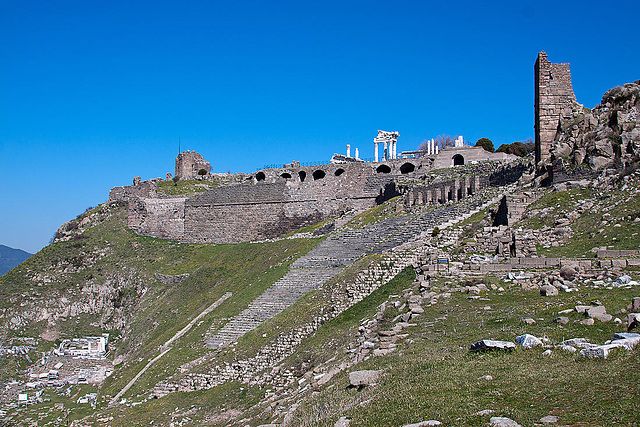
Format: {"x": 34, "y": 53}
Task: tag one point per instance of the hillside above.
{"x": 293, "y": 369}
{"x": 10, "y": 257}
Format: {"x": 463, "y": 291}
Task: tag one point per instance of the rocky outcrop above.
{"x": 606, "y": 135}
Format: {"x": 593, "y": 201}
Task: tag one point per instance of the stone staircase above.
{"x": 307, "y": 273}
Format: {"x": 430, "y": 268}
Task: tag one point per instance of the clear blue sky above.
{"x": 93, "y": 93}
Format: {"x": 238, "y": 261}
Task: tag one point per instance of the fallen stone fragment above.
{"x": 549, "y": 419}
{"x": 595, "y": 312}
{"x": 363, "y": 378}
{"x": 568, "y": 273}
{"x": 547, "y": 353}
{"x": 625, "y": 335}
{"x": 578, "y": 342}
{"x": 528, "y": 341}
{"x": 568, "y": 348}
{"x": 599, "y": 352}
{"x": 633, "y": 321}
{"x": 582, "y": 308}
{"x": 486, "y": 378}
{"x": 548, "y": 291}
{"x": 587, "y": 322}
{"x": 485, "y": 345}
{"x": 503, "y": 422}
{"x": 528, "y": 321}
{"x": 484, "y": 412}
{"x": 424, "y": 424}
{"x": 563, "y": 320}
{"x": 342, "y": 422}
{"x": 623, "y": 280}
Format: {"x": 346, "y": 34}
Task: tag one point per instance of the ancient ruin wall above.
{"x": 188, "y": 163}
{"x": 553, "y": 99}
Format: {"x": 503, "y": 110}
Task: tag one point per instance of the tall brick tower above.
{"x": 554, "y": 96}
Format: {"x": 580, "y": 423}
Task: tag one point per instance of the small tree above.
{"x": 436, "y": 231}
{"x": 202, "y": 172}
{"x": 440, "y": 140}
{"x": 485, "y": 143}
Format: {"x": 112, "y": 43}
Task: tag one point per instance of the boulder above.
{"x": 587, "y": 322}
{"x": 363, "y": 378}
{"x": 503, "y": 422}
{"x": 595, "y": 312}
{"x": 528, "y": 341}
{"x": 528, "y": 321}
{"x": 633, "y": 321}
{"x": 561, "y": 320}
{"x": 635, "y": 304}
{"x": 623, "y": 280}
{"x": 424, "y": 424}
{"x": 548, "y": 291}
{"x": 599, "y": 351}
{"x": 342, "y": 422}
{"x": 488, "y": 345}
{"x": 568, "y": 273}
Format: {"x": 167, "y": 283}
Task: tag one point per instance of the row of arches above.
{"x": 320, "y": 174}
{"x": 404, "y": 168}
{"x": 316, "y": 175}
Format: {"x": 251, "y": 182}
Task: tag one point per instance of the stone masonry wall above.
{"x": 188, "y": 163}
{"x": 553, "y": 99}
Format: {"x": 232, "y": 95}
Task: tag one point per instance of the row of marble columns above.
{"x": 432, "y": 147}
{"x": 454, "y": 191}
{"x": 390, "y": 149}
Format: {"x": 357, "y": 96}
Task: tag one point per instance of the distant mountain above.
{"x": 10, "y": 257}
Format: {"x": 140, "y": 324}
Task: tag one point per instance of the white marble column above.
{"x": 375, "y": 150}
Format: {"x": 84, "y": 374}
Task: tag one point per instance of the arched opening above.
{"x": 407, "y": 168}
{"x": 260, "y": 176}
{"x": 339, "y": 172}
{"x": 383, "y": 169}
{"x": 319, "y": 174}
{"x": 285, "y": 175}
{"x": 458, "y": 160}
{"x": 302, "y": 175}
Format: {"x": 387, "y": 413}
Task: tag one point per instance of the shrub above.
{"x": 485, "y": 143}
{"x": 202, "y": 172}
{"x": 436, "y": 231}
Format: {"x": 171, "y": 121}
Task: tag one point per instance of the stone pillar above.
{"x": 348, "y": 150}
{"x": 375, "y": 151}
{"x": 435, "y": 148}
{"x": 385, "y": 154}
{"x": 395, "y": 149}
{"x": 357, "y": 153}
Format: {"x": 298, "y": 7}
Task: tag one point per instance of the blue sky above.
{"x": 95, "y": 93}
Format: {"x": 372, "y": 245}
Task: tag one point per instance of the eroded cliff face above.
{"x": 604, "y": 136}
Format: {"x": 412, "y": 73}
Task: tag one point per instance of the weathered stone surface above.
{"x": 342, "y": 422}
{"x": 595, "y": 312}
{"x": 633, "y": 321}
{"x": 548, "y": 291}
{"x": 503, "y": 422}
{"x": 563, "y": 320}
{"x": 487, "y": 345}
{"x": 568, "y": 273}
{"x": 528, "y": 341}
{"x": 587, "y": 322}
{"x": 363, "y": 378}
{"x": 549, "y": 419}
{"x": 424, "y": 424}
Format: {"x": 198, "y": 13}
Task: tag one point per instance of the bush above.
{"x": 436, "y": 231}
{"x": 175, "y": 180}
{"x": 485, "y": 143}
{"x": 518, "y": 148}
{"x": 202, "y": 172}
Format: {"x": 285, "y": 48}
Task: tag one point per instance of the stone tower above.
{"x": 554, "y": 96}
{"x": 188, "y": 163}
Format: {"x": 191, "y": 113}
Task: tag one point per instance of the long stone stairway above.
{"x": 307, "y": 273}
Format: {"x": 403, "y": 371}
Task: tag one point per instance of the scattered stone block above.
{"x": 633, "y": 321}
{"x": 529, "y": 321}
{"x": 568, "y": 273}
{"x": 424, "y": 424}
{"x": 563, "y": 320}
{"x": 595, "y": 312}
{"x": 503, "y": 422}
{"x": 342, "y": 422}
{"x": 549, "y": 419}
{"x": 587, "y": 322}
{"x": 363, "y": 378}
{"x": 582, "y": 308}
{"x": 484, "y": 412}
{"x": 488, "y": 345}
{"x": 486, "y": 378}
{"x": 568, "y": 348}
{"x": 548, "y": 291}
{"x": 599, "y": 351}
{"x": 528, "y": 341}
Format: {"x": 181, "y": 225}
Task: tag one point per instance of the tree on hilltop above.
{"x": 485, "y": 143}
{"x": 520, "y": 149}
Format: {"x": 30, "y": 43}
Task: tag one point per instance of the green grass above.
{"x": 388, "y": 209}
{"x": 184, "y": 188}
